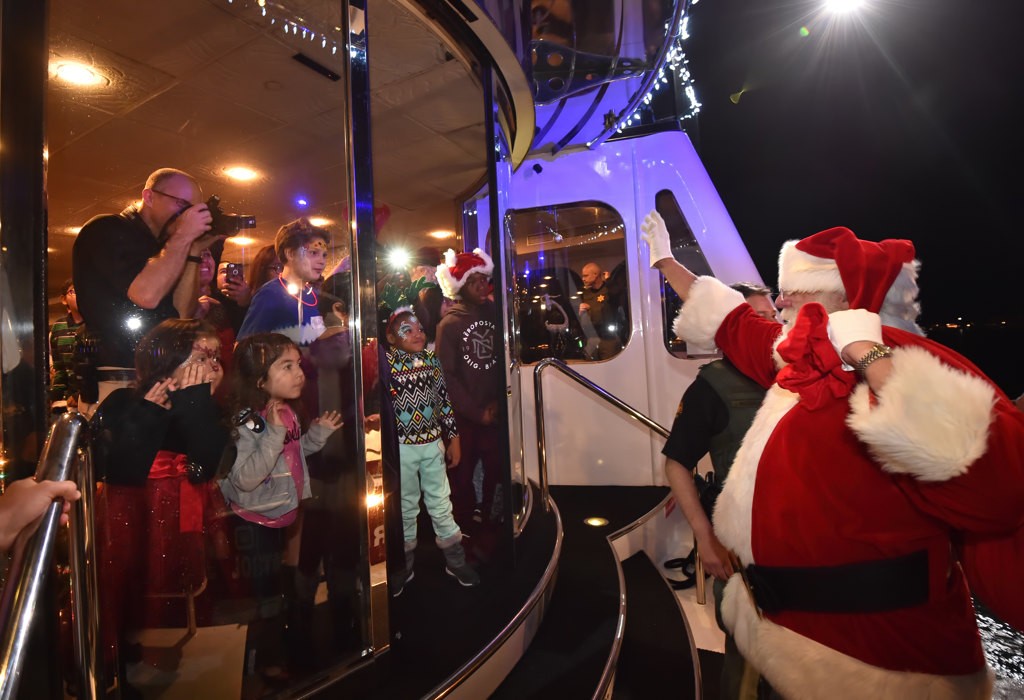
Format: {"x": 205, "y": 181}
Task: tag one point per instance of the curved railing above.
{"x": 605, "y": 685}
{"x": 538, "y": 392}
{"x": 32, "y": 558}
{"x": 539, "y": 594}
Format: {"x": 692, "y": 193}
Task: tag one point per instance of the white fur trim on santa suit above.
{"x": 734, "y": 507}
{"x": 450, "y": 286}
{"x": 803, "y": 272}
{"x": 824, "y": 673}
{"x": 709, "y": 303}
{"x": 931, "y": 421}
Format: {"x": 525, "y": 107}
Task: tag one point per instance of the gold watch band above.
{"x": 875, "y": 353}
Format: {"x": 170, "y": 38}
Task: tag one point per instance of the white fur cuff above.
{"x": 709, "y": 303}
{"x": 799, "y": 667}
{"x": 931, "y": 420}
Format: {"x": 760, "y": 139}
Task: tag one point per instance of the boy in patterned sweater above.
{"x": 424, "y": 417}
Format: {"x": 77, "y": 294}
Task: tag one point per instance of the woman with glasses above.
{"x": 265, "y": 266}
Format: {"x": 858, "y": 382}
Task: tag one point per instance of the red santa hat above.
{"x": 456, "y": 268}
{"x": 836, "y": 260}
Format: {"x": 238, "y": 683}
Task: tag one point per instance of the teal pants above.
{"x": 423, "y": 470}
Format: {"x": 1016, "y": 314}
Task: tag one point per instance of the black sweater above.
{"x": 129, "y": 431}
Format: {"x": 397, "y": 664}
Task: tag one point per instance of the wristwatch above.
{"x": 875, "y": 353}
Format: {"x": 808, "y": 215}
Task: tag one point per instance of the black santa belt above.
{"x": 864, "y": 587}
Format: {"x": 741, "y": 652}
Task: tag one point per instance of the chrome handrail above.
{"x": 527, "y": 510}
{"x": 542, "y": 450}
{"x": 538, "y": 395}
{"x": 33, "y": 554}
{"x": 85, "y": 598}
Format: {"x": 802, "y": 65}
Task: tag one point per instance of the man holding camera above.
{"x": 135, "y": 269}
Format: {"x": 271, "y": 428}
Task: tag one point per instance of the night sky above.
{"x": 904, "y": 121}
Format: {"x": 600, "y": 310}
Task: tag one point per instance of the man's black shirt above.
{"x": 109, "y": 252}
{"x": 701, "y": 414}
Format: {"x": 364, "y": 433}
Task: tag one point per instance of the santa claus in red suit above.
{"x": 881, "y": 483}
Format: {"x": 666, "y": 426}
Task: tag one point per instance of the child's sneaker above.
{"x": 407, "y": 575}
{"x": 465, "y": 575}
{"x": 405, "y": 578}
{"x": 456, "y": 566}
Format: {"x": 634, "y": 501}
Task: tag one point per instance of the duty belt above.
{"x": 864, "y": 587}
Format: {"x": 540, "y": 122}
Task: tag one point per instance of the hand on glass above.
{"x": 330, "y": 420}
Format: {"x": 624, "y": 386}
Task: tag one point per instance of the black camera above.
{"x": 227, "y": 224}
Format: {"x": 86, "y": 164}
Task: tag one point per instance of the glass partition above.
{"x": 240, "y": 575}
{"x": 503, "y": 245}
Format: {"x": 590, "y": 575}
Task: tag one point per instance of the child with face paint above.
{"x": 424, "y": 421}
{"x": 158, "y": 447}
{"x": 289, "y": 305}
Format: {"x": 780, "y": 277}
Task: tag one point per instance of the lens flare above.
{"x": 843, "y": 6}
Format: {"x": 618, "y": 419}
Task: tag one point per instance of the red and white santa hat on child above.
{"x": 457, "y": 267}
{"x": 871, "y": 275}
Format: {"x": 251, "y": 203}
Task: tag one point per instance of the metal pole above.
{"x": 542, "y": 449}
{"x": 84, "y": 588}
{"x": 32, "y": 556}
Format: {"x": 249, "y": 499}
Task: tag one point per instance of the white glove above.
{"x": 845, "y": 327}
{"x": 656, "y": 235}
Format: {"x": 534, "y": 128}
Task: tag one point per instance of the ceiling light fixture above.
{"x": 78, "y": 74}
{"x": 241, "y": 173}
{"x": 442, "y": 234}
{"x": 240, "y": 240}
{"x": 320, "y": 221}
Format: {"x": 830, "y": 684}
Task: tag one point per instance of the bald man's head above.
{"x": 593, "y": 276}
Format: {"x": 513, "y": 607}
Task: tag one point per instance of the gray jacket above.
{"x": 260, "y": 480}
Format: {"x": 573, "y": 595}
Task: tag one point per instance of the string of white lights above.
{"x": 675, "y": 64}
{"x": 290, "y": 23}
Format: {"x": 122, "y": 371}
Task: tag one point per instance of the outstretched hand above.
{"x": 331, "y": 420}
{"x": 25, "y": 502}
{"x": 655, "y": 233}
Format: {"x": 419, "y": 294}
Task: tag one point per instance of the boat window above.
{"x": 571, "y": 282}
{"x": 687, "y": 251}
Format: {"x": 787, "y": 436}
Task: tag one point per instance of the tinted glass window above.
{"x": 571, "y": 282}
